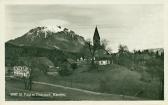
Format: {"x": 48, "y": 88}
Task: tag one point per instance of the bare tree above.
{"x": 109, "y": 50}
{"x": 123, "y": 48}
{"x": 104, "y": 45}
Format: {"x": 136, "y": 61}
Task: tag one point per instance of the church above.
{"x": 101, "y": 55}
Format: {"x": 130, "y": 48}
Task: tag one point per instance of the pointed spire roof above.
{"x": 96, "y": 33}
{"x": 96, "y": 39}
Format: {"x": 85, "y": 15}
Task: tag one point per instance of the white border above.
{"x": 41, "y": 2}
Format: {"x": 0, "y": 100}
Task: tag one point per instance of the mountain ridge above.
{"x": 51, "y": 38}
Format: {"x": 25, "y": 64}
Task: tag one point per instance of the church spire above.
{"x": 96, "y": 38}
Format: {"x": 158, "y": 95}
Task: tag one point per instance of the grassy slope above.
{"x": 14, "y": 86}
{"x": 118, "y": 80}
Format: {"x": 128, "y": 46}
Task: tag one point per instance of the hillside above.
{"x": 13, "y": 53}
{"x": 113, "y": 79}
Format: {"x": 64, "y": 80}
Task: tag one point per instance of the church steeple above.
{"x": 96, "y": 39}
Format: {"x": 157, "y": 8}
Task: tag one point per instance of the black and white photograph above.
{"x": 84, "y": 52}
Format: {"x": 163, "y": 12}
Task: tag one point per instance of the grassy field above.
{"x": 17, "y": 86}
{"x": 113, "y": 79}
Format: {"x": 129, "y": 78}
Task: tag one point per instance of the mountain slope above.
{"x": 51, "y": 38}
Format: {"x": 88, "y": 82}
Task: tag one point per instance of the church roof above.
{"x": 96, "y": 33}
{"x": 101, "y": 53}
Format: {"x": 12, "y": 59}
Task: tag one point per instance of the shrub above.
{"x": 67, "y": 69}
{"x": 74, "y": 66}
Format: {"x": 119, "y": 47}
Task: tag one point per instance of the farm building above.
{"x": 102, "y": 58}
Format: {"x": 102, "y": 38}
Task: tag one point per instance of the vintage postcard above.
{"x": 84, "y": 52}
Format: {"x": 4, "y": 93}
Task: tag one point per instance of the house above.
{"x": 21, "y": 71}
{"x": 102, "y": 57}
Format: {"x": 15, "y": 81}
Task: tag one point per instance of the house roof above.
{"x": 101, "y": 53}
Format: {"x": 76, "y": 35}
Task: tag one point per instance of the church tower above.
{"x": 96, "y": 39}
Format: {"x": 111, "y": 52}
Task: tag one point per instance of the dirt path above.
{"x": 70, "y": 88}
{"x": 83, "y": 90}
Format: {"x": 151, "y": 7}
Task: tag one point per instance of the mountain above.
{"x": 51, "y": 38}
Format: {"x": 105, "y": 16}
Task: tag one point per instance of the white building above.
{"x": 102, "y": 58}
{"x": 21, "y": 71}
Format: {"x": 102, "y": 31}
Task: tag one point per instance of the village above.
{"x": 100, "y": 57}
{"x": 102, "y": 65}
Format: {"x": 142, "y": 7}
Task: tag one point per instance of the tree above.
{"x": 123, "y": 48}
{"x": 124, "y": 56}
{"x": 109, "y": 50}
{"x": 67, "y": 68}
{"x": 155, "y": 67}
{"x": 92, "y": 50}
{"x": 85, "y": 51}
{"x": 104, "y": 45}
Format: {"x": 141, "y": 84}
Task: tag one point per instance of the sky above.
{"x": 139, "y": 26}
